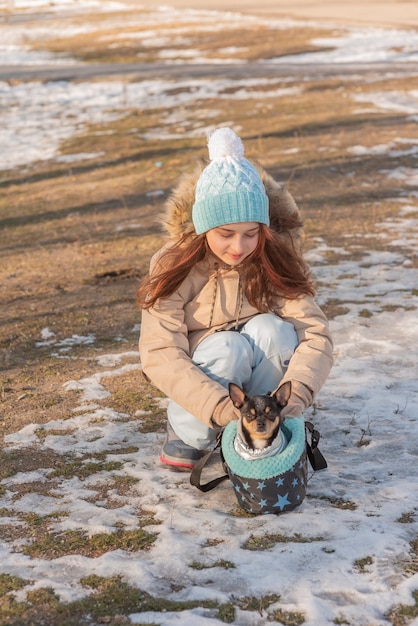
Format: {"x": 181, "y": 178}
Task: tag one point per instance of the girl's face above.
{"x": 232, "y": 243}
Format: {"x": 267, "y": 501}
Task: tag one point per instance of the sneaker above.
{"x": 178, "y": 454}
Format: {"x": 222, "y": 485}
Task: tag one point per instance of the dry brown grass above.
{"x": 75, "y": 240}
{"x": 233, "y": 41}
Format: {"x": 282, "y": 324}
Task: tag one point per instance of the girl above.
{"x": 229, "y": 299}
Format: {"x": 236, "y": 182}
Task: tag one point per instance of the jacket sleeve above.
{"x": 313, "y": 358}
{"x": 166, "y": 361}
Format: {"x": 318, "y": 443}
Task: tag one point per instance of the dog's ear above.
{"x": 237, "y": 395}
{"x": 283, "y": 393}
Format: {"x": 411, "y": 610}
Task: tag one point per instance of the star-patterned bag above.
{"x": 273, "y": 484}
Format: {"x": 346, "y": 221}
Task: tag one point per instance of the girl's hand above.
{"x": 224, "y": 413}
{"x": 299, "y": 399}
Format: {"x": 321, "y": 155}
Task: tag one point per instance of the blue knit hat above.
{"x": 229, "y": 189}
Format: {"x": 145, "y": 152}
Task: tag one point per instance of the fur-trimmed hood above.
{"x": 177, "y": 216}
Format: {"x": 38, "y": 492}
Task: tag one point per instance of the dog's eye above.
{"x": 272, "y": 417}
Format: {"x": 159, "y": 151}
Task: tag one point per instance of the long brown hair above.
{"x": 275, "y": 268}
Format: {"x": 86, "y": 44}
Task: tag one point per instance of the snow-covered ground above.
{"x": 367, "y": 412}
{"x": 38, "y": 116}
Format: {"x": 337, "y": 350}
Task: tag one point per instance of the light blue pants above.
{"x": 255, "y": 358}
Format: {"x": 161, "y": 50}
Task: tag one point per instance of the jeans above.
{"x": 255, "y": 357}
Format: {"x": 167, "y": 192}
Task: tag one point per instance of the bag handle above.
{"x": 316, "y": 458}
{"x": 195, "y": 476}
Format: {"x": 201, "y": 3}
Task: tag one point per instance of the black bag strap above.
{"x": 316, "y": 458}
{"x": 196, "y": 475}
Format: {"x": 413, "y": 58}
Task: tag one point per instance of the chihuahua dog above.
{"x": 260, "y": 415}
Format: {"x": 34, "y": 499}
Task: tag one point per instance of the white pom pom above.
{"x": 223, "y": 143}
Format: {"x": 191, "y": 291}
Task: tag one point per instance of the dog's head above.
{"x": 260, "y": 415}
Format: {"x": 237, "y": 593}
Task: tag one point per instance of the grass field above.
{"x": 76, "y": 238}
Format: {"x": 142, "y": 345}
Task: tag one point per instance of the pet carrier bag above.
{"x": 273, "y": 484}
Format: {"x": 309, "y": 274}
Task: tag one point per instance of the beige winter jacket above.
{"x": 171, "y": 329}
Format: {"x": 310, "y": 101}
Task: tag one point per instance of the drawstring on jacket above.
{"x": 214, "y": 294}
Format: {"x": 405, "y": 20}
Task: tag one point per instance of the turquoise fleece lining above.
{"x": 267, "y": 467}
